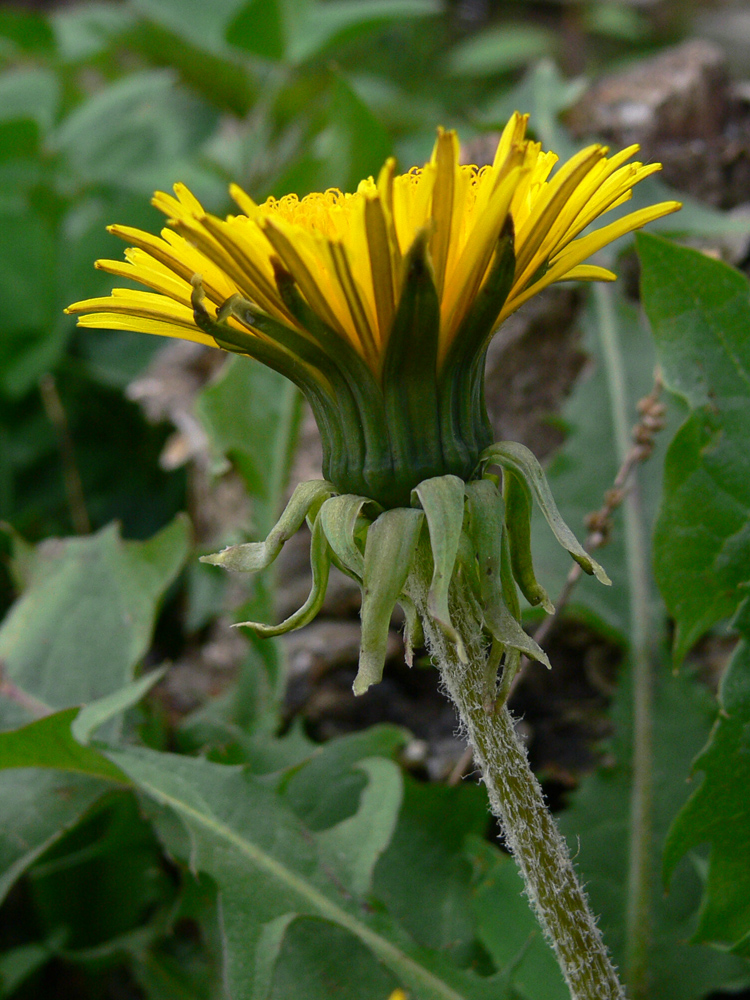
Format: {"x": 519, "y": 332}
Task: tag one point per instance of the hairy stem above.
{"x": 517, "y": 800}
{"x": 638, "y": 912}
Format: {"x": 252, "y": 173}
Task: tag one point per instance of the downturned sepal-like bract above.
{"x": 453, "y": 527}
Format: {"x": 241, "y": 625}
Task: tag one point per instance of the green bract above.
{"x": 455, "y": 527}
{"x": 419, "y": 420}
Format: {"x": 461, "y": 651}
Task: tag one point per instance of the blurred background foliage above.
{"x": 101, "y": 104}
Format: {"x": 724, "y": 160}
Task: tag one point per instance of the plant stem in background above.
{"x": 638, "y": 913}
{"x": 71, "y": 476}
{"x": 517, "y": 800}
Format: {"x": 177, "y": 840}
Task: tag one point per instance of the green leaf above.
{"x": 211, "y": 70}
{"x": 27, "y": 258}
{"x": 113, "y": 857}
{"x": 498, "y": 50}
{"x": 140, "y": 133}
{"x": 49, "y": 743}
{"x": 542, "y": 93}
{"x": 86, "y": 31}
{"x": 357, "y": 144}
{"x": 201, "y": 24}
{"x": 325, "y": 788}
{"x": 92, "y": 716}
{"x": 26, "y": 30}
{"x": 699, "y": 310}
{"x": 268, "y": 869}
{"x": 353, "y": 846}
{"x": 299, "y": 30}
{"x": 507, "y": 928}
{"x": 718, "y": 811}
{"x": 17, "y": 964}
{"x": 32, "y": 94}
{"x": 317, "y": 960}
{"x": 259, "y": 27}
{"x": 40, "y": 807}
{"x": 245, "y": 397}
{"x": 86, "y": 616}
{"x": 597, "y": 827}
{"x": 584, "y": 468}
{"x": 76, "y": 634}
{"x": 424, "y": 870}
{"x": 334, "y": 21}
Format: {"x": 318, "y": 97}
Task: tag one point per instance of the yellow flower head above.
{"x": 380, "y": 304}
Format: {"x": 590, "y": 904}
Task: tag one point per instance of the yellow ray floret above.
{"x": 345, "y": 253}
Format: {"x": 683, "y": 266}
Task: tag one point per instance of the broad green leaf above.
{"x": 39, "y": 807}
{"x": 85, "y": 31}
{"x": 353, "y": 846}
{"x": 27, "y": 258}
{"x": 615, "y": 20}
{"x": 92, "y": 716}
{"x": 584, "y": 468}
{"x": 17, "y": 964}
{"x": 543, "y": 93}
{"x": 508, "y": 929}
{"x": 211, "y": 70}
{"x": 201, "y": 24}
{"x": 424, "y": 870}
{"x": 260, "y": 28}
{"x": 334, "y": 21}
{"x": 76, "y": 634}
{"x": 49, "y": 743}
{"x": 245, "y": 397}
{"x": 356, "y": 143}
{"x": 30, "y": 93}
{"x": 26, "y": 30}
{"x": 324, "y": 788}
{"x": 140, "y": 133}
{"x": 699, "y": 309}
{"x": 498, "y": 50}
{"x": 267, "y": 867}
{"x": 718, "y": 811}
{"x": 349, "y": 142}
{"x": 318, "y": 960}
{"x": 597, "y": 827}
{"x": 113, "y": 856}
{"x": 86, "y": 616}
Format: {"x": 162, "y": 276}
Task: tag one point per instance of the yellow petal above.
{"x": 589, "y": 272}
{"x": 445, "y": 159}
{"x": 381, "y": 264}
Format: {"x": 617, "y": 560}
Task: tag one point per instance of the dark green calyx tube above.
{"x": 406, "y": 421}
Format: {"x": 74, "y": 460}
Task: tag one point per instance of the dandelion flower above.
{"x": 380, "y": 304}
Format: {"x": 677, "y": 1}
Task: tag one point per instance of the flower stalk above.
{"x": 516, "y": 799}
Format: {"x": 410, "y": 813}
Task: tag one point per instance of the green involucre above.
{"x": 454, "y": 527}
